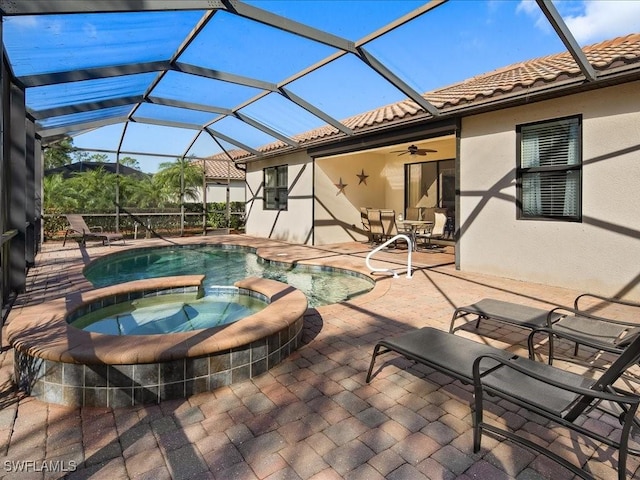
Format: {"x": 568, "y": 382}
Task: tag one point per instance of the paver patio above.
{"x": 313, "y": 416}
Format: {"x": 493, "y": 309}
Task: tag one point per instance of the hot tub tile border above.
{"x": 100, "y": 385}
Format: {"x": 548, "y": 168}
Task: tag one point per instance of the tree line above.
{"x": 94, "y": 191}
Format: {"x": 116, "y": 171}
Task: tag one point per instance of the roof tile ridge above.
{"x": 406, "y": 106}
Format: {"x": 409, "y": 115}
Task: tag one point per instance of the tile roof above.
{"x": 220, "y": 169}
{"x": 533, "y": 75}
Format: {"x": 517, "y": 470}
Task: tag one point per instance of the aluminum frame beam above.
{"x": 48, "y": 7}
{"x": 167, "y": 102}
{"x": 233, "y": 141}
{"x": 43, "y": 79}
{"x": 251, "y": 13}
{"x": 165, "y": 123}
{"x": 285, "y": 24}
{"x": 84, "y": 107}
{"x": 561, "y": 29}
{"x": 78, "y": 127}
{"x": 396, "y": 81}
{"x": 224, "y": 76}
{"x": 265, "y": 129}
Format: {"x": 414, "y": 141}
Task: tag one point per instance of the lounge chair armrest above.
{"x": 99, "y": 228}
{"x": 618, "y": 396}
{"x": 582, "y": 313}
{"x": 618, "y": 301}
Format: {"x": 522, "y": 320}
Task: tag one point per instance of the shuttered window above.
{"x": 549, "y": 170}
{"x": 276, "y": 181}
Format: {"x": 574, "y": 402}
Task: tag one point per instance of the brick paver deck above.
{"x": 313, "y": 416}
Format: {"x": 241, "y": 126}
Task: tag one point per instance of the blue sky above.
{"x": 453, "y": 42}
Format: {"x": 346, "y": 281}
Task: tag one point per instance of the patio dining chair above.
{"x": 77, "y": 225}
{"x": 437, "y": 231}
{"x": 366, "y": 225}
{"x": 581, "y": 327}
{"x": 376, "y": 232}
{"x": 389, "y": 226}
{"x": 414, "y": 213}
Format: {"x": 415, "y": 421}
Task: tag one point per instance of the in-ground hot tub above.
{"x": 59, "y": 363}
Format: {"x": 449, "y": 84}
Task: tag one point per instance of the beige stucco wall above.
{"x": 338, "y": 214}
{"x": 294, "y": 224}
{"x": 218, "y": 192}
{"x": 602, "y": 253}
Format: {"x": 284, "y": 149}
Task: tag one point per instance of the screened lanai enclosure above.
{"x": 159, "y": 79}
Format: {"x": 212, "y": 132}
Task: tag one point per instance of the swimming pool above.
{"x": 224, "y": 265}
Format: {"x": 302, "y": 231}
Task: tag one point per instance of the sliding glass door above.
{"x": 431, "y": 185}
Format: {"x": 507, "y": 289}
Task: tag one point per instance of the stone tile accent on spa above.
{"x": 72, "y": 367}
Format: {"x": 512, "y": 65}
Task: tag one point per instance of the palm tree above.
{"x": 96, "y": 190}
{"x": 143, "y": 193}
{"x": 59, "y": 195}
{"x": 170, "y": 174}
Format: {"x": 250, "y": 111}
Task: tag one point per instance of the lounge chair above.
{"x": 77, "y": 225}
{"x": 555, "y": 394}
{"x": 584, "y": 328}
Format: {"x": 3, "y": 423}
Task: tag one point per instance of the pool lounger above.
{"x": 505, "y": 312}
{"x": 556, "y": 394}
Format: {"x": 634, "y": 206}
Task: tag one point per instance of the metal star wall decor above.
{"x": 340, "y": 186}
{"x": 362, "y": 177}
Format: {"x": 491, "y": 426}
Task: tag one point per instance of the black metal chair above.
{"x": 560, "y": 396}
{"x": 584, "y": 328}
{"x": 551, "y": 392}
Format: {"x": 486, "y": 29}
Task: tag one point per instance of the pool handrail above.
{"x": 380, "y": 247}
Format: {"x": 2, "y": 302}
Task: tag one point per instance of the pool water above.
{"x": 170, "y": 314}
{"x": 222, "y": 267}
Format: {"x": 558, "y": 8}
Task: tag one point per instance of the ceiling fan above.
{"x": 413, "y": 150}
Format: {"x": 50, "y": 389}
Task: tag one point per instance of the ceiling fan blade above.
{"x": 423, "y": 151}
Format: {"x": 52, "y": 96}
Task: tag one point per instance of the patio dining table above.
{"x": 412, "y": 227}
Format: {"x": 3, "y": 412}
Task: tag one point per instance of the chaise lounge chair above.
{"x": 77, "y": 225}
{"x": 553, "y": 393}
{"x": 584, "y": 328}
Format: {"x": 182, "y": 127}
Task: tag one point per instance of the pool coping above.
{"x": 42, "y": 330}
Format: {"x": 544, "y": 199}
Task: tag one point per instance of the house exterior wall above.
{"x": 218, "y": 192}
{"x": 599, "y": 254}
{"x": 294, "y": 224}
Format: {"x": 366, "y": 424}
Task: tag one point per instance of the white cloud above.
{"x": 602, "y": 20}
{"x": 530, "y": 7}
{"x": 590, "y": 21}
